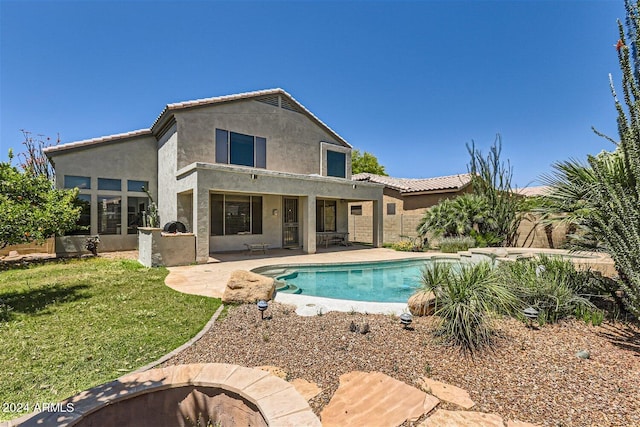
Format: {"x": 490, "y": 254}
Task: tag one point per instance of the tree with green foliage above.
{"x": 365, "y": 162}
{"x": 32, "y": 209}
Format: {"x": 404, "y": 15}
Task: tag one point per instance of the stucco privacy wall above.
{"x": 208, "y": 178}
{"x": 126, "y": 159}
{"x": 293, "y": 139}
{"x": 409, "y": 210}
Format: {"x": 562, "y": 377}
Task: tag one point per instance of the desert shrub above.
{"x": 552, "y": 285}
{"x": 403, "y": 245}
{"x": 466, "y": 296}
{"x": 456, "y": 244}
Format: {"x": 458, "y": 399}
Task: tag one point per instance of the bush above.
{"x": 456, "y": 244}
{"x": 551, "y": 285}
{"x": 465, "y": 298}
{"x": 403, "y": 245}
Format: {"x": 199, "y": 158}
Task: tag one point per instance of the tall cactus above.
{"x": 617, "y": 192}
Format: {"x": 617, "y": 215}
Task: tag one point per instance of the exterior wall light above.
{"x": 274, "y": 212}
{"x": 262, "y": 306}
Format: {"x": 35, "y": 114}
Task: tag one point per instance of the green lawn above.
{"x": 68, "y": 326}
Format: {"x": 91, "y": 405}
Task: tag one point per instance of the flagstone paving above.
{"x": 364, "y": 398}
{"x": 447, "y": 392}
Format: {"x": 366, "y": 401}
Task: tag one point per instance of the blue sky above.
{"x": 411, "y": 82}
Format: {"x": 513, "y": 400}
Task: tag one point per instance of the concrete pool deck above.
{"x": 210, "y": 279}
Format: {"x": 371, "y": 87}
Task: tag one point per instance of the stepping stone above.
{"x": 444, "y": 418}
{"x": 520, "y": 424}
{"x": 307, "y": 389}
{"x": 447, "y": 392}
{"x": 274, "y": 370}
{"x": 362, "y": 397}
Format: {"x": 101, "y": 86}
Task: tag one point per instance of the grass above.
{"x": 68, "y": 326}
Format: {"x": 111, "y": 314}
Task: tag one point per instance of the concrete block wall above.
{"x": 48, "y": 247}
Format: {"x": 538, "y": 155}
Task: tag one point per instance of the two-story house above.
{"x": 249, "y": 168}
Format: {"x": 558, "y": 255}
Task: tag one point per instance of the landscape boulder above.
{"x": 247, "y": 287}
{"x": 422, "y": 303}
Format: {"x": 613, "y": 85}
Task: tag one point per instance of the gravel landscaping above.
{"x": 531, "y": 375}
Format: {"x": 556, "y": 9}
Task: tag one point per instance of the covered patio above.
{"x": 230, "y": 207}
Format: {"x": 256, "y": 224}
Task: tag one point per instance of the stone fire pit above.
{"x": 184, "y": 395}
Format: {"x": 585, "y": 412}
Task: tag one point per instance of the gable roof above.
{"x": 418, "y": 185}
{"x": 267, "y": 96}
{"x": 99, "y": 140}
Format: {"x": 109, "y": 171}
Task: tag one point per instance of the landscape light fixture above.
{"x": 531, "y": 314}
{"x": 262, "y": 306}
{"x": 406, "y": 319}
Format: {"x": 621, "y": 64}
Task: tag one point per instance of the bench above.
{"x": 332, "y": 238}
{"x": 255, "y": 247}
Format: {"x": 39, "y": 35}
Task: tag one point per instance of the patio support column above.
{"x": 378, "y": 225}
{"x": 201, "y": 224}
{"x": 308, "y": 209}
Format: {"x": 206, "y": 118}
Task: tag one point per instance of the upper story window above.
{"x": 336, "y": 164}
{"x": 239, "y": 149}
{"x": 139, "y": 186}
{"x": 81, "y": 182}
{"x": 109, "y": 184}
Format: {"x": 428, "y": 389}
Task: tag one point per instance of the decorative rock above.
{"x": 583, "y": 354}
{"x": 248, "y": 287}
{"x": 442, "y": 418}
{"x": 422, "y": 303}
{"x": 447, "y": 392}
{"x": 274, "y": 370}
{"x": 363, "y": 397}
{"x": 307, "y": 389}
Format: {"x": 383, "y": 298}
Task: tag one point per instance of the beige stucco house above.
{"x": 404, "y": 203}
{"x": 249, "y": 168}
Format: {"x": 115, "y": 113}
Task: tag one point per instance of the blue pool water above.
{"x": 384, "y": 281}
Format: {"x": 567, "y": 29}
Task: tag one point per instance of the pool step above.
{"x": 288, "y": 288}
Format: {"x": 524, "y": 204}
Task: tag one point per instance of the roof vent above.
{"x": 271, "y": 100}
{"x": 291, "y": 106}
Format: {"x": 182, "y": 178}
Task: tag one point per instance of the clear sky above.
{"x": 411, "y": 82}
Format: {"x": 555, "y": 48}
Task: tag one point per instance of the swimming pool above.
{"x": 382, "y": 281}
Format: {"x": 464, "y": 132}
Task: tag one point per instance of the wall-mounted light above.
{"x": 254, "y": 176}
{"x": 354, "y": 186}
{"x": 274, "y": 212}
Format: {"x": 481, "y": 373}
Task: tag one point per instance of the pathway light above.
{"x": 406, "y": 319}
{"x": 531, "y": 314}
{"x": 262, "y": 306}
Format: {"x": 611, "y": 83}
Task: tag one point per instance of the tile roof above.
{"x": 418, "y": 185}
{"x": 540, "y": 190}
{"x": 166, "y": 112}
{"x": 93, "y": 141}
{"x": 246, "y": 95}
